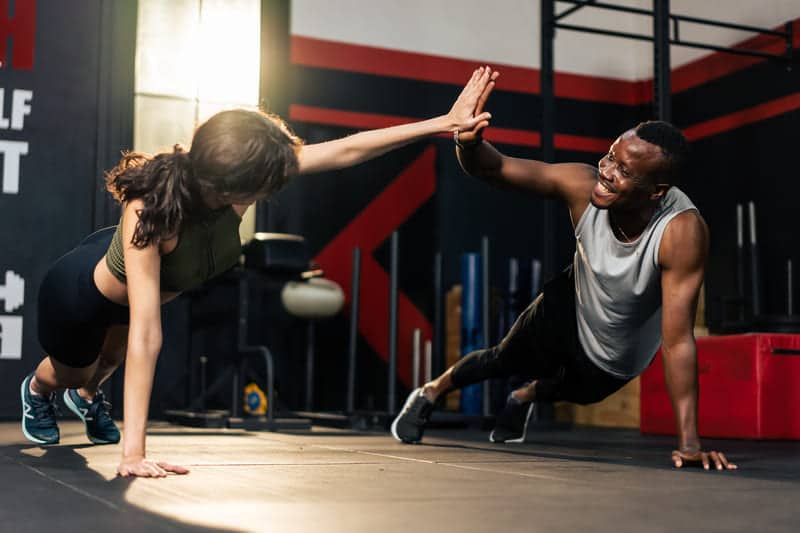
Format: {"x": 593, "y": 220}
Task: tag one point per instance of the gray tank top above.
{"x": 618, "y": 288}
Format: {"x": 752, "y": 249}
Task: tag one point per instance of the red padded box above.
{"x": 749, "y": 388}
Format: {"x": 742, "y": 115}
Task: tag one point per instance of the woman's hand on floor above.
{"x": 142, "y": 467}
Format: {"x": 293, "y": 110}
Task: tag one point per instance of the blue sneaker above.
{"x": 100, "y": 427}
{"x": 38, "y": 415}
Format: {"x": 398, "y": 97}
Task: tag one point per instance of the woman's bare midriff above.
{"x": 114, "y": 289}
{"x": 117, "y": 291}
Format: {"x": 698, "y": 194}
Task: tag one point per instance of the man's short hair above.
{"x": 673, "y": 144}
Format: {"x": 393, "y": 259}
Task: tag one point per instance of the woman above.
{"x": 100, "y": 303}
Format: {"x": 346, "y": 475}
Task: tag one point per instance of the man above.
{"x": 641, "y": 248}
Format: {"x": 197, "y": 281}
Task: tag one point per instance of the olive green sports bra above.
{"x": 206, "y": 247}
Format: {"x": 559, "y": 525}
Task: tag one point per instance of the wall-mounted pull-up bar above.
{"x": 661, "y": 39}
{"x": 675, "y": 39}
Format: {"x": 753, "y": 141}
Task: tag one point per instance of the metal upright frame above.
{"x": 661, "y": 39}
{"x": 273, "y": 91}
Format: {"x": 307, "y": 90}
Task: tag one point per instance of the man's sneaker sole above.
{"x": 26, "y": 383}
{"x": 75, "y": 409}
{"x": 520, "y": 439}
{"x": 393, "y": 428}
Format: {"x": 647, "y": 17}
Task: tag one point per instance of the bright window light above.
{"x": 202, "y": 52}
{"x": 228, "y": 46}
{"x": 193, "y": 59}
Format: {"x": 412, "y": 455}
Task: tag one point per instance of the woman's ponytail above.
{"x": 164, "y": 183}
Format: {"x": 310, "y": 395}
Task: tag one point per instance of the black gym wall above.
{"x": 69, "y": 65}
{"x": 742, "y": 126}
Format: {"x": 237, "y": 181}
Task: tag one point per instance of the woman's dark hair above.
{"x": 673, "y": 144}
{"x": 235, "y": 155}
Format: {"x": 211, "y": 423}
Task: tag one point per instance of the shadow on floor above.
{"x": 764, "y": 460}
{"x": 59, "y": 489}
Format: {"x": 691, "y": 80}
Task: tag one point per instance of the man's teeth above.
{"x": 602, "y": 186}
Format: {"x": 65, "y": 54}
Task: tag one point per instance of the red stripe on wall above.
{"x": 721, "y": 64}
{"x": 312, "y": 52}
{"x": 596, "y": 89}
{"x": 358, "y": 120}
{"x": 352, "y": 119}
{"x": 425, "y": 67}
{"x": 743, "y": 117}
{"x": 346, "y": 119}
{"x": 581, "y": 144}
{"x": 512, "y": 136}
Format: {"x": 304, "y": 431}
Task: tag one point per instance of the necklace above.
{"x": 624, "y": 235}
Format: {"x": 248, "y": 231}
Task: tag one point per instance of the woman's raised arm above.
{"x": 360, "y": 147}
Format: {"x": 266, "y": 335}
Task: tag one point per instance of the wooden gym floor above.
{"x": 330, "y": 481}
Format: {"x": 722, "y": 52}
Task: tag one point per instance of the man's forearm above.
{"x": 481, "y": 160}
{"x": 680, "y": 372}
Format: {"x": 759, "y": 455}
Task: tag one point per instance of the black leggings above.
{"x": 543, "y": 345}
{"x": 73, "y": 315}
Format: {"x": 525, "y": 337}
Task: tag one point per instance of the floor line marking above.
{"x": 519, "y": 474}
{"x": 466, "y": 467}
{"x": 453, "y": 465}
{"x": 351, "y": 450}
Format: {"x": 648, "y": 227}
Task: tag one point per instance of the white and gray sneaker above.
{"x": 409, "y": 425}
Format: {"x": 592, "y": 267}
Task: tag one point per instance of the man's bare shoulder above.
{"x": 687, "y": 221}
{"x": 685, "y": 241}
{"x": 577, "y": 181}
